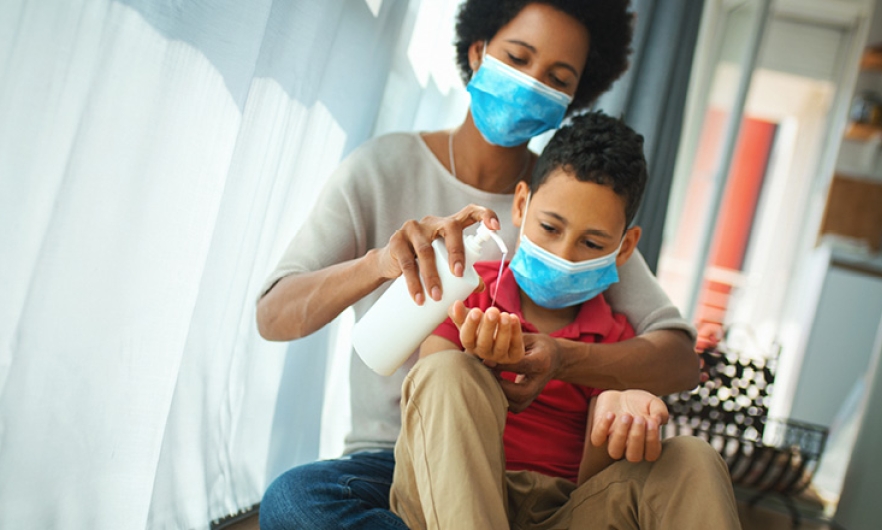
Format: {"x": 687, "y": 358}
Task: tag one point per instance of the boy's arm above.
{"x": 594, "y": 459}
{"x": 434, "y": 344}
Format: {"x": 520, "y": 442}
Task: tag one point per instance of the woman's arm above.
{"x": 660, "y": 359}
{"x": 300, "y": 304}
{"x": 661, "y": 362}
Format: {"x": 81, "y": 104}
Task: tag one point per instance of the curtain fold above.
{"x": 155, "y": 159}
{"x": 651, "y": 98}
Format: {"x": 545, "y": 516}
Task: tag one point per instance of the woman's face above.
{"x": 544, "y": 43}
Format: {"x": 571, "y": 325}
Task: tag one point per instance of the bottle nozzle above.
{"x": 484, "y": 233}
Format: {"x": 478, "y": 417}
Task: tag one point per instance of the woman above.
{"x": 527, "y": 64}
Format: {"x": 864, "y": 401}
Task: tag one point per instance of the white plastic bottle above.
{"x": 395, "y": 326}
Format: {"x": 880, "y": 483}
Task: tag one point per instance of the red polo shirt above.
{"x": 549, "y": 435}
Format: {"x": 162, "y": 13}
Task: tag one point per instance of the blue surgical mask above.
{"x": 554, "y": 282}
{"x": 509, "y": 107}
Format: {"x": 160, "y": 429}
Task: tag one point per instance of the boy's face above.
{"x": 575, "y": 220}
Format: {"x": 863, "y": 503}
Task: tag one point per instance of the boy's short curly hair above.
{"x": 595, "y": 147}
{"x": 609, "y": 24}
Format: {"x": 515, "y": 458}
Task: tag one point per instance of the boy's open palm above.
{"x": 629, "y": 422}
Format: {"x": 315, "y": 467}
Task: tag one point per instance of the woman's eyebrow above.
{"x": 533, "y": 49}
{"x": 522, "y": 43}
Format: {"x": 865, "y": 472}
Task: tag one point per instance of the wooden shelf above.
{"x": 853, "y": 211}
{"x": 861, "y": 132}
{"x": 871, "y": 60}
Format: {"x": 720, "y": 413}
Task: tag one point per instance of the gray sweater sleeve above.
{"x": 640, "y": 297}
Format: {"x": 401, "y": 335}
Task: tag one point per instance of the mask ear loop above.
{"x": 505, "y": 250}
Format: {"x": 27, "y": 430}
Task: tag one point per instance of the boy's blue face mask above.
{"x": 509, "y": 107}
{"x": 554, "y": 282}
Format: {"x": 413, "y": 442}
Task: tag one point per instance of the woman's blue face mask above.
{"x": 554, "y": 282}
{"x": 509, "y": 107}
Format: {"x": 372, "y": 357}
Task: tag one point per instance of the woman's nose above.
{"x": 537, "y": 72}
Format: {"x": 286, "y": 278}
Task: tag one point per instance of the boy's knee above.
{"x": 694, "y": 456}
{"x": 443, "y": 371}
{"x": 448, "y": 367}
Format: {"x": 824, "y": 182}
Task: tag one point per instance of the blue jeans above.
{"x": 349, "y": 492}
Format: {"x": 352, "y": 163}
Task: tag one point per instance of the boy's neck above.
{"x": 546, "y": 320}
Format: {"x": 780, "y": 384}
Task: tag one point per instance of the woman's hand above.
{"x": 629, "y": 422}
{"x": 410, "y": 253}
{"x": 490, "y": 335}
{"x": 539, "y": 365}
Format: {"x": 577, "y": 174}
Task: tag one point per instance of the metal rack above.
{"x": 767, "y": 456}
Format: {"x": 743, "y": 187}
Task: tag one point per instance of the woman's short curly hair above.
{"x": 609, "y": 23}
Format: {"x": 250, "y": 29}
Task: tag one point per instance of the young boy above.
{"x": 462, "y": 461}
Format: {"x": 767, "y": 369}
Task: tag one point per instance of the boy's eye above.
{"x": 548, "y": 228}
{"x": 592, "y": 245}
{"x": 517, "y": 60}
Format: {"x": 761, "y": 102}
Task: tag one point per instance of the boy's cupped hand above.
{"x": 629, "y": 421}
{"x": 491, "y": 335}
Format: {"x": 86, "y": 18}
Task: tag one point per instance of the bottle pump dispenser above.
{"x": 394, "y": 327}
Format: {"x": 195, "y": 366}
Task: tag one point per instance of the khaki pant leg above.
{"x": 449, "y": 458}
{"x": 688, "y": 487}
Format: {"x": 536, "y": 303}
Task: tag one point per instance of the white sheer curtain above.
{"x": 155, "y": 157}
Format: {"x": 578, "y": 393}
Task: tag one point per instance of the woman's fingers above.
{"x": 420, "y": 237}
{"x": 402, "y": 256}
{"x": 413, "y": 256}
{"x": 450, "y": 228}
{"x": 516, "y": 348}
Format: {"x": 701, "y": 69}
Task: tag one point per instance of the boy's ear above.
{"x": 522, "y": 191}
{"x": 629, "y": 244}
